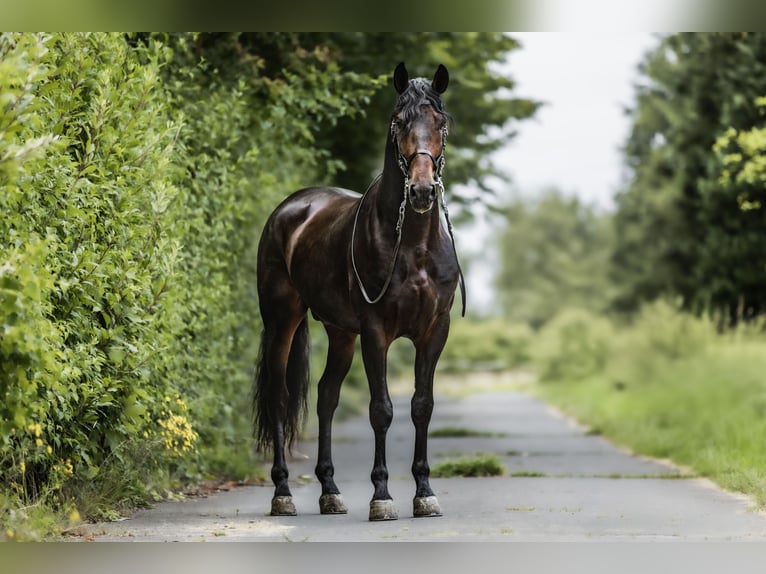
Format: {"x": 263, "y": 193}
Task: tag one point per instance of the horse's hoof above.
{"x": 383, "y": 510}
{"x": 426, "y": 506}
{"x": 332, "y": 504}
{"x": 282, "y": 506}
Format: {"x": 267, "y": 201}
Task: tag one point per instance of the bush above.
{"x": 134, "y": 176}
{"x": 486, "y": 344}
{"x": 659, "y": 335}
{"x": 90, "y": 255}
{"x": 573, "y": 345}
{"x": 662, "y": 329}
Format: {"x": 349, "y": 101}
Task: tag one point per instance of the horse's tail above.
{"x": 271, "y": 399}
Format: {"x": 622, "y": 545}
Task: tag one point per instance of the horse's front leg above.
{"x": 427, "y": 355}
{"x": 374, "y": 353}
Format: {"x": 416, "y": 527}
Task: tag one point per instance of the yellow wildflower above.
{"x": 37, "y": 429}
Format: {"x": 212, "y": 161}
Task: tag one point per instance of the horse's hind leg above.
{"x": 276, "y": 353}
{"x": 282, "y": 316}
{"x": 339, "y": 357}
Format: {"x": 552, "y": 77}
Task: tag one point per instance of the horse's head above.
{"x": 419, "y": 134}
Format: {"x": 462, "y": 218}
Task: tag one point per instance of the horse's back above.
{"x": 310, "y": 215}
{"x": 306, "y": 241}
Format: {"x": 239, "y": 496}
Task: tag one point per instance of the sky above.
{"x": 573, "y": 143}
{"x": 585, "y": 81}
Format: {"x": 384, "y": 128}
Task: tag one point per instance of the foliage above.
{"x": 574, "y": 344}
{"x": 694, "y": 161}
{"x": 673, "y": 388}
{"x": 554, "y": 253}
{"x": 486, "y": 344}
{"x": 88, "y": 253}
{"x": 480, "y": 98}
{"x": 741, "y": 154}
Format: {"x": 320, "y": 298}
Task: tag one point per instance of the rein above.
{"x": 399, "y": 225}
{"x": 404, "y": 164}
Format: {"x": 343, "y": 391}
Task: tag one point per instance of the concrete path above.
{"x": 561, "y": 484}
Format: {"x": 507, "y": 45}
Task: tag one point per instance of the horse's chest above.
{"x": 421, "y": 286}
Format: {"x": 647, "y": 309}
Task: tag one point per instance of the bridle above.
{"x": 404, "y": 165}
{"x": 405, "y": 161}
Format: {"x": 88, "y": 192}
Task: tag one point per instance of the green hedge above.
{"x": 91, "y": 249}
{"x": 134, "y": 177}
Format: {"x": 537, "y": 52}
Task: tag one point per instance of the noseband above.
{"x": 405, "y": 161}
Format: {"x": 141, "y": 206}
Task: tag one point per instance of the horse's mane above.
{"x": 418, "y": 93}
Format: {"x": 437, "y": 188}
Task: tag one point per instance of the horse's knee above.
{"x": 381, "y": 414}
{"x": 421, "y": 409}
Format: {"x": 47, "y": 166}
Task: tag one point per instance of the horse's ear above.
{"x": 441, "y": 79}
{"x": 401, "y": 77}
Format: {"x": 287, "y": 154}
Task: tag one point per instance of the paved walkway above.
{"x": 561, "y": 484}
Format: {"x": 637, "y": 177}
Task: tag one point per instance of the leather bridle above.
{"x": 405, "y": 161}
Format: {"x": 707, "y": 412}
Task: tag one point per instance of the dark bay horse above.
{"x": 378, "y": 266}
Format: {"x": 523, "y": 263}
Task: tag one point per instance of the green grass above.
{"x": 705, "y": 411}
{"x": 528, "y": 474}
{"x": 481, "y": 464}
{"x": 460, "y": 432}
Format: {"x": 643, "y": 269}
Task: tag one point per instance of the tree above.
{"x": 480, "y": 98}
{"x": 554, "y": 254}
{"x": 681, "y": 229}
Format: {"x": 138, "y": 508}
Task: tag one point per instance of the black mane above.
{"x": 418, "y": 93}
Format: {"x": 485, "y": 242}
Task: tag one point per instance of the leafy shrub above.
{"x": 486, "y": 344}
{"x": 90, "y": 252}
{"x": 574, "y": 344}
{"x": 664, "y": 330}
{"x": 134, "y": 176}
{"x": 660, "y": 334}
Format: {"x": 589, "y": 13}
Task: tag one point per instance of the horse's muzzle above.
{"x": 422, "y": 197}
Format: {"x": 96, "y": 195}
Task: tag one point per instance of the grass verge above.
{"x": 705, "y": 411}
